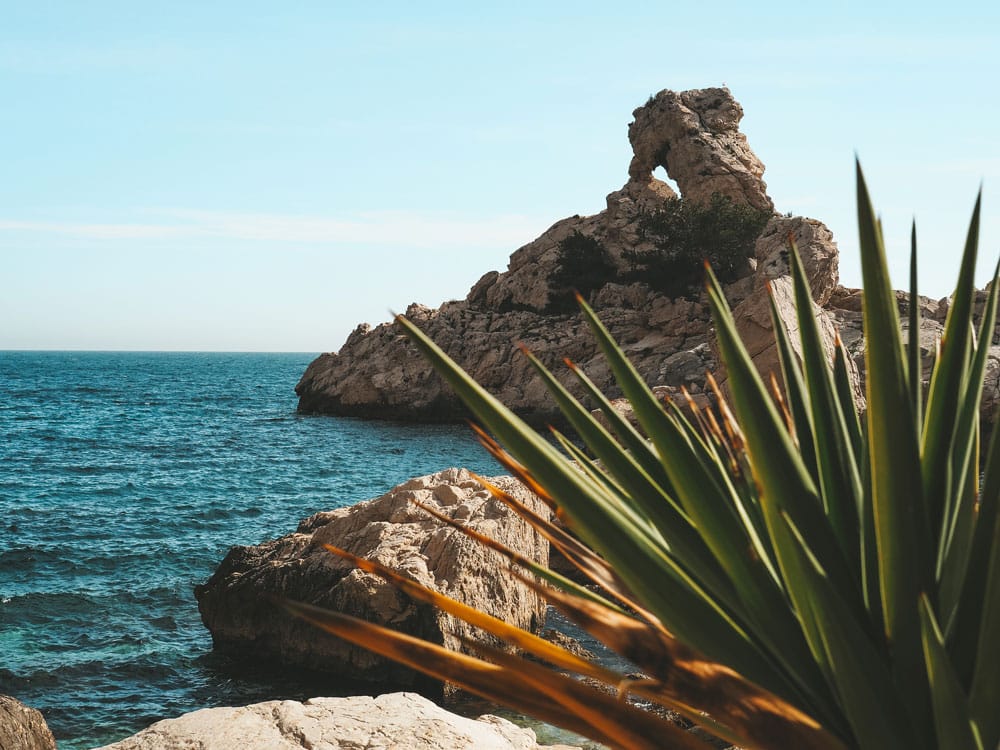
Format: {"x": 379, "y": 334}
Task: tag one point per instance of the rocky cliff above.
{"x": 695, "y": 137}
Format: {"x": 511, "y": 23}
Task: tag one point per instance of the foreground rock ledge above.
{"x": 234, "y": 602}
{"x": 394, "y": 720}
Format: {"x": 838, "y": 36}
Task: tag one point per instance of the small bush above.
{"x": 584, "y": 266}
{"x": 685, "y": 234}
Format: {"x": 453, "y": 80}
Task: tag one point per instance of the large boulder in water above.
{"x": 23, "y": 728}
{"x": 394, "y": 720}
{"x": 235, "y": 603}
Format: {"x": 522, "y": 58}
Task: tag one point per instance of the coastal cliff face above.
{"x": 695, "y": 137}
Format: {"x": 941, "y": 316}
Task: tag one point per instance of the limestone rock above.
{"x": 389, "y": 722}
{"x": 390, "y": 530}
{"x": 23, "y": 728}
{"x": 753, "y": 314}
{"x": 695, "y": 136}
{"x": 845, "y": 306}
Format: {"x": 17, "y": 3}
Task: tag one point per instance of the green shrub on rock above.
{"x": 584, "y": 267}
{"x": 685, "y": 234}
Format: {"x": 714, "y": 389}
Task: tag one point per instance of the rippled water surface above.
{"x": 124, "y": 478}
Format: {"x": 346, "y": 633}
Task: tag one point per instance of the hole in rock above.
{"x": 660, "y": 174}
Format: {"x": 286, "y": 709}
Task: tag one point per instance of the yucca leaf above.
{"x": 859, "y": 672}
{"x": 591, "y": 467}
{"x": 555, "y": 579}
{"x": 636, "y": 445}
{"x": 514, "y": 466}
{"x": 957, "y": 534}
{"x": 951, "y": 709}
{"x": 870, "y": 561}
{"x": 914, "y": 366}
{"x": 777, "y": 466}
{"x": 696, "y": 483}
{"x": 845, "y": 397}
{"x": 621, "y": 724}
{"x": 899, "y": 514}
{"x": 511, "y": 635}
{"x": 723, "y": 456}
{"x": 964, "y": 637}
{"x": 786, "y": 490}
{"x": 680, "y": 674}
{"x": 840, "y": 479}
{"x": 948, "y": 383}
{"x": 582, "y": 557}
{"x": 467, "y": 672}
{"x": 795, "y": 392}
{"x": 984, "y": 695}
{"x": 746, "y": 485}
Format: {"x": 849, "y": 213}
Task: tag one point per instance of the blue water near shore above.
{"x": 124, "y": 479}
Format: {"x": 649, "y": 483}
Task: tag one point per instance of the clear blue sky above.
{"x": 264, "y": 176}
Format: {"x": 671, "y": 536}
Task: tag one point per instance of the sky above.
{"x": 263, "y": 176}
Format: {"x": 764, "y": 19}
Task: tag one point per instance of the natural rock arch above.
{"x": 695, "y": 137}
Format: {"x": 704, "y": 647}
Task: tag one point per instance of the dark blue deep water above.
{"x": 124, "y": 479}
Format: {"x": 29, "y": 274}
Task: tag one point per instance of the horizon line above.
{"x": 56, "y": 350}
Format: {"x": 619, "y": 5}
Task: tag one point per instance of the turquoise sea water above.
{"x": 124, "y": 478}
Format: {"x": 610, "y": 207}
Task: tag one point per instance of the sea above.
{"x": 124, "y": 479}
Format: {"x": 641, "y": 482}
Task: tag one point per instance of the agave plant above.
{"x": 780, "y": 572}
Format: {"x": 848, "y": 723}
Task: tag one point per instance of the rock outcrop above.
{"x": 23, "y": 728}
{"x": 234, "y": 602}
{"x": 695, "y": 136}
{"x": 394, "y": 720}
{"x": 845, "y": 306}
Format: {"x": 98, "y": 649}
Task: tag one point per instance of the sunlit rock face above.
{"x": 695, "y": 137}
{"x": 237, "y": 602}
{"x": 393, "y": 720}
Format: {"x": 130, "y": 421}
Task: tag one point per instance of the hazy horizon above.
{"x": 242, "y": 177}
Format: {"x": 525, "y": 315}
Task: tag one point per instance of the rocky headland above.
{"x": 695, "y": 137}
